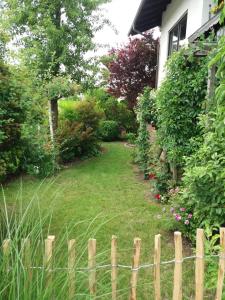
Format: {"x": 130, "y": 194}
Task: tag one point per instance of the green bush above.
{"x": 114, "y": 110}
{"x": 131, "y": 138}
{"x": 11, "y": 118}
{"x": 143, "y": 141}
{"x": 78, "y": 130}
{"x": 39, "y": 157}
{"x": 109, "y": 131}
{"x": 150, "y": 113}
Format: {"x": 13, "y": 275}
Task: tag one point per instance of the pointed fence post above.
{"x": 221, "y": 271}
{"x": 177, "y": 288}
{"x": 135, "y": 266}
{"x": 157, "y": 255}
{"x": 6, "y": 253}
{"x": 92, "y": 266}
{"x": 114, "y": 266}
{"x": 26, "y": 254}
{"x": 48, "y": 258}
{"x": 71, "y": 266}
{"x": 199, "y": 265}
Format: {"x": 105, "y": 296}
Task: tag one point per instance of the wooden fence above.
{"x": 135, "y": 267}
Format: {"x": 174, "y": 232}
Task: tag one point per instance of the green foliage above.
{"x": 119, "y": 112}
{"x": 115, "y": 110}
{"x": 163, "y": 183}
{"x": 77, "y": 133}
{"x": 204, "y": 176}
{"x": 54, "y": 33}
{"x": 131, "y": 138}
{"x": 109, "y": 131}
{"x": 143, "y": 143}
{"x": 11, "y": 118}
{"x": 150, "y": 110}
{"x": 39, "y": 158}
{"x": 60, "y": 87}
{"x": 3, "y": 40}
{"x": 179, "y": 102}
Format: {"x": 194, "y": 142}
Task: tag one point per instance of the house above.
{"x": 180, "y": 22}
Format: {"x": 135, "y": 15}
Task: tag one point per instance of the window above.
{"x": 177, "y": 35}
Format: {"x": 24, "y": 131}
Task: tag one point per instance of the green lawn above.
{"x": 106, "y": 196}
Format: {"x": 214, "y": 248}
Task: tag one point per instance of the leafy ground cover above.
{"x": 105, "y": 196}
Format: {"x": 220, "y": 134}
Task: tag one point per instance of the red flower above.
{"x": 158, "y": 196}
{"x": 152, "y": 176}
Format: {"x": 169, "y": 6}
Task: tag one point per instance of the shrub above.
{"x": 109, "y": 131}
{"x": 143, "y": 142}
{"x": 78, "y": 130}
{"x": 119, "y": 112}
{"x": 131, "y": 138}
{"x": 11, "y": 118}
{"x": 150, "y": 112}
{"x": 39, "y": 157}
{"x": 114, "y": 110}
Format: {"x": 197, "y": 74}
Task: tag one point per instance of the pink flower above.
{"x": 186, "y": 222}
{"x": 182, "y": 209}
{"x": 178, "y": 217}
{"x": 190, "y": 216}
{"x": 158, "y": 196}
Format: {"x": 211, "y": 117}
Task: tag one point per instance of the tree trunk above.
{"x": 53, "y": 117}
{"x": 211, "y": 86}
{"x": 53, "y": 103}
{"x": 174, "y": 170}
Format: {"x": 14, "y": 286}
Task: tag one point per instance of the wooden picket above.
{"x": 157, "y": 254}
{"x": 71, "y": 268}
{"x": 92, "y": 266}
{"x": 177, "y": 287}
{"x": 115, "y": 266}
{"x": 135, "y": 266}
{"x": 199, "y": 265}
{"x": 221, "y": 270}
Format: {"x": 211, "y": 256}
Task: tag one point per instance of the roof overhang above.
{"x": 149, "y": 15}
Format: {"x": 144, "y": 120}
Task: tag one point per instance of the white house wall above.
{"x": 198, "y": 14}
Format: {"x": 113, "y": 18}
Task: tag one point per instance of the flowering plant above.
{"x": 157, "y": 196}
{"x": 181, "y": 215}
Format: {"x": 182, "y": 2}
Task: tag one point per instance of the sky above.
{"x": 121, "y": 14}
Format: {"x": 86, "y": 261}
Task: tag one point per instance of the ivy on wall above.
{"x": 180, "y": 100}
{"x": 204, "y": 178}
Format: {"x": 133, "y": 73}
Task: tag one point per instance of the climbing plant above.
{"x": 145, "y": 115}
{"x": 203, "y": 191}
{"x": 180, "y": 100}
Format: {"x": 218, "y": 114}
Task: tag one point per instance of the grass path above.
{"x": 107, "y": 190}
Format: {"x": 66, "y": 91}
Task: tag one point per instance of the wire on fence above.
{"x": 120, "y": 266}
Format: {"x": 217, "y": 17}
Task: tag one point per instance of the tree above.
{"x": 55, "y": 35}
{"x": 132, "y": 68}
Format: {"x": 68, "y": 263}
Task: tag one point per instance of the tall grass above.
{"x": 18, "y": 281}
{"x": 30, "y": 222}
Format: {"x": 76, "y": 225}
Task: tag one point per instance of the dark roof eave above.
{"x": 149, "y": 15}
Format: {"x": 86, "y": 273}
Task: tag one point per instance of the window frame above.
{"x": 178, "y": 23}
